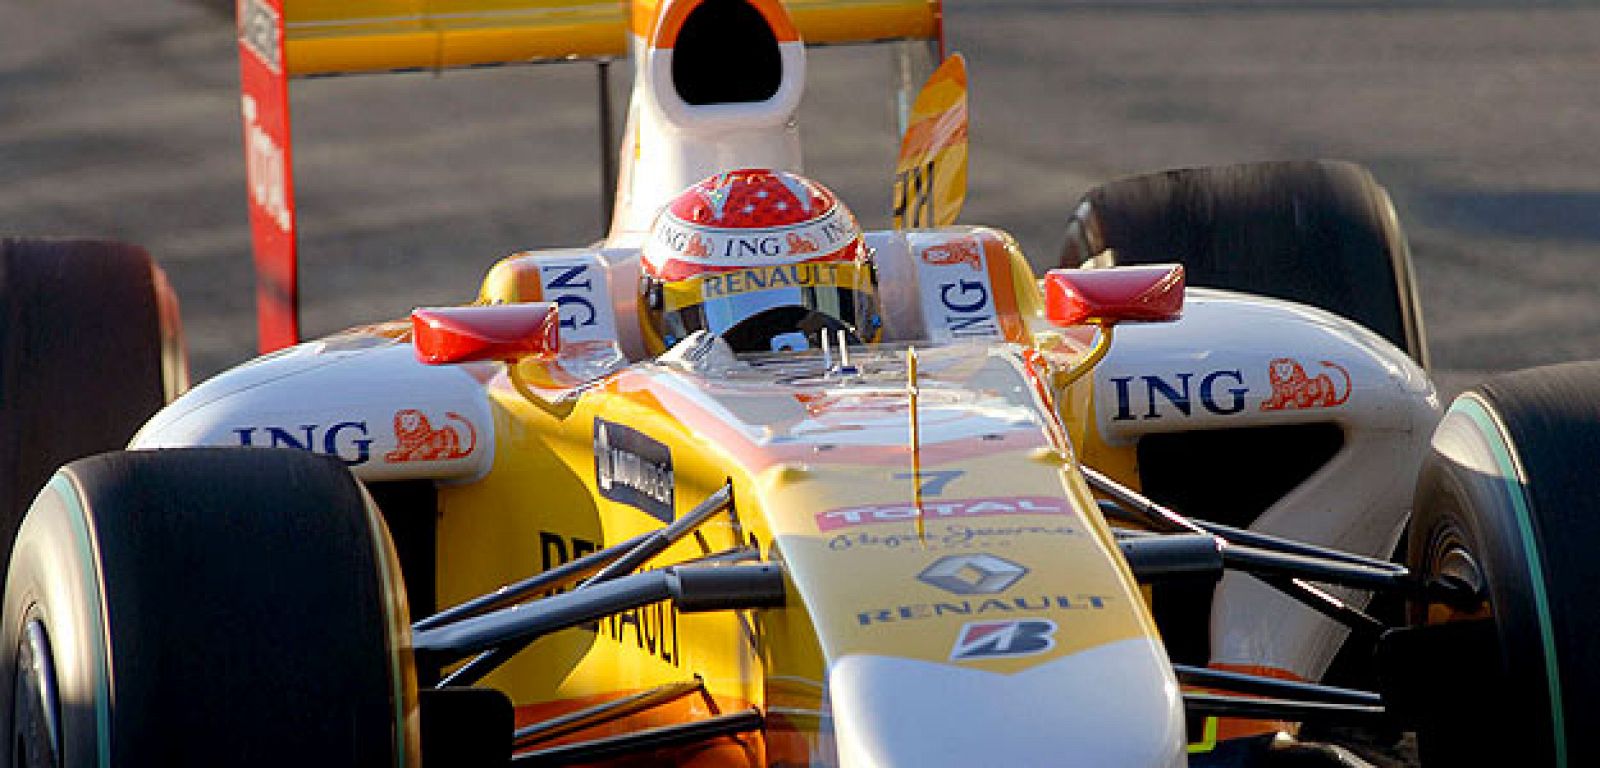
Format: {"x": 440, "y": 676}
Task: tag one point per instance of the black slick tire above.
{"x": 1508, "y": 503}
{"x": 206, "y": 606}
{"x": 1319, "y": 232}
{"x": 87, "y": 337}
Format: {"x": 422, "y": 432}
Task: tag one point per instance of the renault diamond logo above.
{"x": 972, "y": 574}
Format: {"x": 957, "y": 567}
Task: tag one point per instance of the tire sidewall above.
{"x": 65, "y": 595}
{"x": 166, "y": 653}
{"x": 1472, "y": 486}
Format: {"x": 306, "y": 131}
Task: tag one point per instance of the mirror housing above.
{"x": 1142, "y": 294}
{"x": 505, "y": 332}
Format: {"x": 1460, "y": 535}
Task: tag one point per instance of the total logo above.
{"x": 942, "y": 509}
{"x": 981, "y": 640}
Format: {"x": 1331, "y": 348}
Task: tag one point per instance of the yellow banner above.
{"x": 716, "y": 285}
{"x": 930, "y": 182}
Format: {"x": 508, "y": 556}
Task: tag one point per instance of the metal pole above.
{"x": 608, "y": 149}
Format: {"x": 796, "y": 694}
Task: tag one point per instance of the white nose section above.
{"x": 1114, "y": 705}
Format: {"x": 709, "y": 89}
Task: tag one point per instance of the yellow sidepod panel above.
{"x": 541, "y": 507}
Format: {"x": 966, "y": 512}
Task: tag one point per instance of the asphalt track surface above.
{"x": 120, "y": 119}
{"x": 1482, "y": 119}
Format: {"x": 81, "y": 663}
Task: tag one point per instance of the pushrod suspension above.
{"x": 604, "y": 712}
{"x": 694, "y": 589}
{"x": 657, "y": 541}
{"x": 644, "y": 741}
{"x": 1154, "y": 556}
{"x": 561, "y": 576}
{"x": 623, "y": 558}
{"x": 1207, "y": 704}
{"x": 1356, "y": 620}
{"x": 1257, "y": 685}
{"x": 1265, "y": 554}
{"x": 1130, "y": 506}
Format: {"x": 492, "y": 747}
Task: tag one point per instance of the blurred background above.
{"x": 121, "y": 120}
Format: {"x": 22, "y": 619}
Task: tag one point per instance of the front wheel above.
{"x": 206, "y": 606}
{"x": 1508, "y": 509}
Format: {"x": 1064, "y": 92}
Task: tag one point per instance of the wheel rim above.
{"x": 36, "y": 702}
{"x": 1449, "y": 558}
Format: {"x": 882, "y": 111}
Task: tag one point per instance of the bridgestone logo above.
{"x": 1003, "y": 639}
{"x": 632, "y": 468}
{"x": 258, "y": 30}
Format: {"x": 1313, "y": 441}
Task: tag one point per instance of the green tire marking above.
{"x": 1515, "y": 486}
{"x": 67, "y": 491}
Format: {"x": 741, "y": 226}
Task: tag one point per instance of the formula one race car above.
{"x": 743, "y": 484}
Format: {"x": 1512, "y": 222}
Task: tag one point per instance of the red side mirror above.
{"x": 1143, "y": 294}
{"x": 509, "y": 332}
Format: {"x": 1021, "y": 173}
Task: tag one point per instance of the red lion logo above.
{"x": 798, "y": 244}
{"x": 964, "y": 250}
{"x": 417, "y": 440}
{"x": 1293, "y": 388}
{"x": 697, "y": 246}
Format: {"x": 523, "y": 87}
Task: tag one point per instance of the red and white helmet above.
{"x": 766, "y": 259}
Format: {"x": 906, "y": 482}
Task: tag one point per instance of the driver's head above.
{"x": 766, "y": 259}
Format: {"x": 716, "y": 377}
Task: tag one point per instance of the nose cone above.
{"x": 1114, "y": 705}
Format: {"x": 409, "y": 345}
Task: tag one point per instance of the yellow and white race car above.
{"x": 743, "y": 484}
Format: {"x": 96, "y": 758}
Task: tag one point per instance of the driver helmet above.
{"x": 768, "y": 260}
